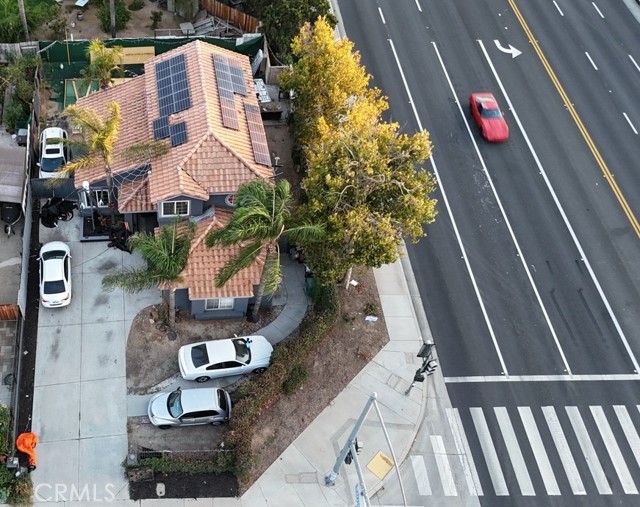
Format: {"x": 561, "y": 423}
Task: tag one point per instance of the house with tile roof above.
{"x": 201, "y": 100}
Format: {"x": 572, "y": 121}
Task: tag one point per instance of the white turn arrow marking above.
{"x": 514, "y": 51}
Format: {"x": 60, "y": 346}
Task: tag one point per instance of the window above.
{"x": 101, "y": 197}
{"x": 230, "y": 200}
{"x": 172, "y": 208}
{"x": 219, "y": 304}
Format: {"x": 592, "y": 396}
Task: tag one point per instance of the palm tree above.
{"x": 166, "y": 254}
{"x": 98, "y": 142}
{"x": 102, "y": 62}
{"x": 262, "y": 217}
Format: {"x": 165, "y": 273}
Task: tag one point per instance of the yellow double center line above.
{"x": 585, "y": 134}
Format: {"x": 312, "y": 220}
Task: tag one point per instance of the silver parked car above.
{"x": 190, "y": 407}
{"x": 223, "y": 358}
{"x": 55, "y": 274}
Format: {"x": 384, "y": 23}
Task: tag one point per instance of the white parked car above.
{"x": 189, "y": 407}
{"x": 53, "y": 152}
{"x": 55, "y": 274}
{"x": 223, "y": 358}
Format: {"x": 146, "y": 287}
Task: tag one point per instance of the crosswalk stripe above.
{"x": 489, "y": 451}
{"x": 613, "y": 449}
{"x": 580, "y": 430}
{"x": 539, "y": 452}
{"x": 420, "y": 471}
{"x": 444, "y": 468}
{"x": 464, "y": 452}
{"x": 515, "y": 454}
{"x": 629, "y": 430}
{"x": 564, "y": 452}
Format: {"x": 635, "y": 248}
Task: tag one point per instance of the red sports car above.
{"x": 487, "y": 114}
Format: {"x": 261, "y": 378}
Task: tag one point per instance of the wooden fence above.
{"x": 248, "y": 24}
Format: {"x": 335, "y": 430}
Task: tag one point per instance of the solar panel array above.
{"x": 258, "y": 137}
{"x": 173, "y": 97}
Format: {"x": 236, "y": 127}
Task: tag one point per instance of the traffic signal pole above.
{"x": 330, "y": 480}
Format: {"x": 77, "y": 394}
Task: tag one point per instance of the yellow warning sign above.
{"x": 380, "y": 465}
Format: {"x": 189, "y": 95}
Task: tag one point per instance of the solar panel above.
{"x": 178, "y": 133}
{"x": 237, "y": 77}
{"x": 161, "y": 128}
{"x": 225, "y": 92}
{"x": 173, "y": 93}
{"x": 256, "y": 133}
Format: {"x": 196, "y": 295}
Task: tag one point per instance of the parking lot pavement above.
{"x": 80, "y": 395}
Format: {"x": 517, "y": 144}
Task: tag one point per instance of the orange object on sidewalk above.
{"x": 26, "y": 442}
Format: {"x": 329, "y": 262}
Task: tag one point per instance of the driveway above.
{"x": 80, "y": 395}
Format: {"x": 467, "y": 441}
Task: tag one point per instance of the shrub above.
{"x": 297, "y": 376}
{"x": 156, "y": 19}
{"x": 136, "y": 5}
{"x": 15, "y": 114}
{"x": 21, "y": 491}
{"x": 123, "y": 15}
{"x": 262, "y": 391}
{"x": 220, "y": 462}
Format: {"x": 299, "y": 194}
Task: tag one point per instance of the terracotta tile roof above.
{"x": 204, "y": 263}
{"x": 213, "y": 159}
{"x": 133, "y": 196}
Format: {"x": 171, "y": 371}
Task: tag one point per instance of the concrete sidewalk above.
{"x": 296, "y": 478}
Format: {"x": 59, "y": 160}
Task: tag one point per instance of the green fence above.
{"x": 63, "y": 60}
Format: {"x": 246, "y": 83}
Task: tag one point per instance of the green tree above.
{"x": 12, "y": 22}
{"x": 363, "y": 184}
{"x": 106, "y": 14}
{"x": 18, "y": 76}
{"x": 282, "y": 20}
{"x": 166, "y": 255}
{"x": 103, "y": 61}
{"x": 262, "y": 216}
{"x": 326, "y": 78}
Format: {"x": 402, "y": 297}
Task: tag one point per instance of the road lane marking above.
{"x": 592, "y": 62}
{"x": 420, "y": 472}
{"x": 418, "y": 6}
{"x": 564, "y": 452}
{"x": 613, "y": 449}
{"x": 590, "y": 455}
{"x": 489, "y": 451}
{"x": 543, "y": 378}
{"x": 382, "y": 16}
{"x": 508, "y": 223}
{"x": 598, "y": 10}
{"x": 585, "y": 134}
{"x": 558, "y": 7}
{"x": 629, "y": 430}
{"x": 514, "y": 451}
{"x": 630, "y": 124}
{"x": 539, "y": 452}
{"x": 444, "y": 468}
{"x": 464, "y": 452}
{"x": 634, "y": 62}
{"x": 465, "y": 257}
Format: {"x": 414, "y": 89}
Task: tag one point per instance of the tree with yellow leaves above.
{"x": 326, "y": 79}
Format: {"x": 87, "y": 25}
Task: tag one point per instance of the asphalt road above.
{"x": 529, "y": 275}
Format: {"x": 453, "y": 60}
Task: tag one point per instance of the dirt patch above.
{"x": 153, "y": 358}
{"x": 89, "y": 26}
{"x": 186, "y": 486}
{"x": 349, "y": 346}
